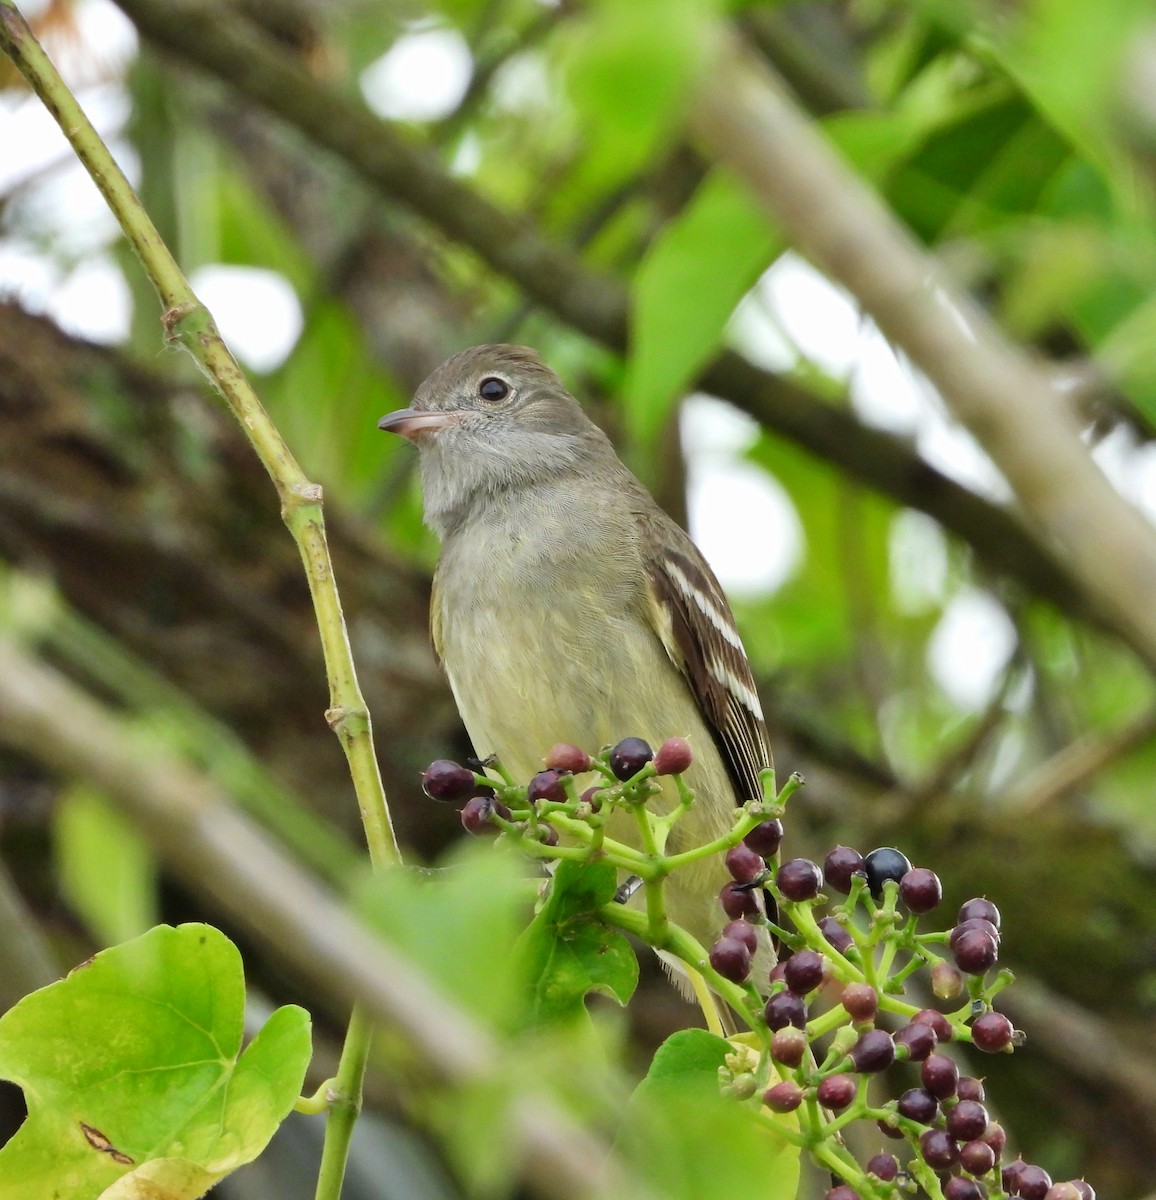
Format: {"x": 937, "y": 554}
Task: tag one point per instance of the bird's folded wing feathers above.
{"x": 693, "y": 619}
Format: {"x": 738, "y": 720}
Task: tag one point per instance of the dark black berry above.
{"x": 783, "y": 1097}
{"x": 744, "y": 864}
{"x": 764, "y": 839}
{"x": 841, "y": 863}
{"x": 975, "y": 952}
{"x": 546, "y": 785}
{"x": 449, "y": 781}
{"x": 629, "y": 757}
{"x": 836, "y": 934}
{"x": 940, "y": 1150}
{"x": 884, "y": 864}
{"x": 788, "y": 1046}
{"x": 744, "y": 932}
{"x": 804, "y": 971}
{"x": 861, "y": 1001}
{"x": 959, "y": 1188}
{"x": 967, "y": 1120}
{"x": 563, "y": 756}
{"x": 992, "y": 1032}
{"x": 836, "y": 1091}
{"x": 674, "y": 756}
{"x": 920, "y": 890}
{"x": 979, "y": 907}
{"x": 874, "y": 1051}
{"x": 785, "y": 1008}
{"x": 918, "y": 1104}
{"x": 939, "y": 1075}
{"x": 976, "y": 1157}
{"x": 738, "y": 901}
{"x": 799, "y": 879}
{"x": 479, "y": 811}
{"x": 918, "y": 1038}
{"x": 731, "y": 959}
{"x": 883, "y": 1166}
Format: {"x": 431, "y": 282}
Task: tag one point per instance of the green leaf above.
{"x": 568, "y": 951}
{"x": 105, "y": 868}
{"x": 692, "y": 1143}
{"x": 134, "y": 1076}
{"x": 687, "y": 286}
{"x": 629, "y": 73}
{"x": 460, "y": 924}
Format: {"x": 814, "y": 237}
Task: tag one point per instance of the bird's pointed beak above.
{"x": 412, "y": 423}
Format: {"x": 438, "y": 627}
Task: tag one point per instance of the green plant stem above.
{"x": 187, "y": 321}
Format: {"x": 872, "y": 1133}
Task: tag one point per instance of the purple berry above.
{"x": 977, "y": 1158}
{"x": 966, "y": 1120}
{"x": 992, "y": 1032}
{"x": 874, "y": 1051}
{"x": 996, "y": 1137}
{"x": 629, "y": 757}
{"x": 764, "y": 839}
{"x": 742, "y": 931}
{"x": 972, "y": 923}
{"x": 891, "y": 1131}
{"x": 836, "y": 934}
{"x": 937, "y": 1021}
{"x": 975, "y": 952}
{"x": 563, "y": 756}
{"x": 1010, "y": 1176}
{"x": 959, "y": 1188}
{"x": 479, "y": 811}
{"x": 546, "y": 785}
{"x": 783, "y": 1097}
{"x": 920, "y": 890}
{"x": 841, "y": 863}
{"x": 731, "y": 959}
{"x": 738, "y": 901}
{"x": 842, "y": 1192}
{"x": 744, "y": 864}
{"x": 1063, "y": 1191}
{"x": 918, "y": 1039}
{"x": 1034, "y": 1183}
{"x": 804, "y": 971}
{"x": 861, "y": 1002}
{"x": 836, "y": 1091}
{"x": 592, "y": 796}
{"x": 970, "y": 1088}
{"x": 918, "y": 1104}
{"x": 939, "y": 1075}
{"x": 788, "y": 1046}
{"x": 883, "y": 1166}
{"x": 940, "y": 1150}
{"x": 1085, "y": 1189}
{"x": 785, "y": 1008}
{"x": 981, "y": 907}
{"x": 800, "y": 879}
{"x": 449, "y": 781}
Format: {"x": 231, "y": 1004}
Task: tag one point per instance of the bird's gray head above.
{"x": 490, "y": 419}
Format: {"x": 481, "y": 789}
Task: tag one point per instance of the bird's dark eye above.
{"x": 493, "y": 389}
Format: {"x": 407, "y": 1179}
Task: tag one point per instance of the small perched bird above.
{"x": 567, "y": 607}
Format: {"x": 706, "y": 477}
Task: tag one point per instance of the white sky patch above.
{"x": 918, "y": 561}
{"x": 740, "y": 518}
{"x": 818, "y": 317}
{"x": 257, "y": 312}
{"x": 93, "y": 302}
{"x": 970, "y": 647}
{"x": 421, "y": 77}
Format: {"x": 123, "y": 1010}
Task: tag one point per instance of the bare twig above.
{"x": 748, "y": 119}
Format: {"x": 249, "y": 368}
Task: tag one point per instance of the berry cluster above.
{"x": 832, "y": 1014}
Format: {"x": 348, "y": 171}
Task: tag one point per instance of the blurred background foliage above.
{"x": 359, "y": 189}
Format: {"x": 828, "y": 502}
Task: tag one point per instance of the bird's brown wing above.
{"x": 694, "y": 621}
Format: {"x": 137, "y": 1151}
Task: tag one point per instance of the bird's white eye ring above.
{"x": 493, "y": 389}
